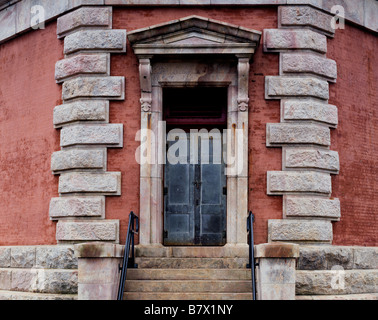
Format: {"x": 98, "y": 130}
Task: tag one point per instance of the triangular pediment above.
{"x": 194, "y": 35}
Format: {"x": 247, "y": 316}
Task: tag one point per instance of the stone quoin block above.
{"x": 73, "y": 207}
{"x": 97, "y": 64}
{"x": 94, "y": 87}
{"x": 305, "y": 16}
{"x": 92, "y": 134}
{"x": 289, "y": 133}
{"x": 276, "y": 40}
{"x": 107, "y": 183}
{"x": 303, "y": 110}
{"x": 281, "y": 182}
{"x": 78, "y": 159}
{"x": 277, "y": 87}
{"x": 311, "y": 158}
{"x": 309, "y": 63}
{"x": 104, "y": 230}
{"x": 93, "y": 17}
{"x": 83, "y": 110}
{"x": 96, "y": 40}
{"x": 300, "y": 230}
{"x": 311, "y": 207}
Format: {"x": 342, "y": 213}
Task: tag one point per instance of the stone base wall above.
{"x": 38, "y": 273}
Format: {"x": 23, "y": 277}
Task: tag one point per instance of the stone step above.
{"x": 192, "y": 263}
{"x": 14, "y": 295}
{"x": 364, "y": 296}
{"x": 336, "y": 282}
{"x": 186, "y": 296}
{"x": 184, "y": 286}
{"x": 189, "y": 274}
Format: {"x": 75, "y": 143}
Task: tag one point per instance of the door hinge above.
{"x": 165, "y": 191}
{"x": 225, "y": 191}
{"x": 224, "y": 234}
{"x": 165, "y": 234}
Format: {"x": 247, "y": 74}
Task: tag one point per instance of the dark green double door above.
{"x": 195, "y": 198}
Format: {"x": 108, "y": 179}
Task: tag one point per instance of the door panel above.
{"x": 195, "y": 203}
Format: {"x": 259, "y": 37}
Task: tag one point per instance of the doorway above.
{"x": 195, "y": 184}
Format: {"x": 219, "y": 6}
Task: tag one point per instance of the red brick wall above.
{"x": 28, "y": 94}
{"x": 356, "y": 138}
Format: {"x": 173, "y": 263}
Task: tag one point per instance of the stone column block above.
{"x": 88, "y": 17}
{"x": 112, "y": 88}
{"x": 83, "y": 110}
{"x": 278, "y": 87}
{"x": 311, "y": 207}
{"x": 107, "y": 183}
{"x": 90, "y": 134}
{"x": 281, "y": 182}
{"x": 74, "y": 207}
{"x": 95, "y": 40}
{"x": 276, "y": 40}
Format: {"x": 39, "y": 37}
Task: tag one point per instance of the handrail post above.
{"x": 252, "y": 264}
{"x": 131, "y": 231}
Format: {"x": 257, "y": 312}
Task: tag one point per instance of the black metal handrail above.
{"x": 128, "y": 262}
{"x": 252, "y": 265}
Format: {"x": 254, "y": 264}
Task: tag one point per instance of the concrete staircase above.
{"x": 189, "y": 274}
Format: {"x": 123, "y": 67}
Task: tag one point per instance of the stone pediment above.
{"x": 194, "y": 35}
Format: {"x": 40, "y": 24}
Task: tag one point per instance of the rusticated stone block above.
{"x": 107, "y": 183}
{"x": 310, "y": 110}
{"x": 365, "y": 258}
{"x": 95, "y": 40}
{"x": 305, "y": 16}
{"x": 94, "y": 87}
{"x": 101, "y": 134}
{"x": 307, "y": 207}
{"x": 300, "y": 230}
{"x": 22, "y": 257}
{"x": 309, "y": 63}
{"x": 44, "y": 281}
{"x": 5, "y": 279}
{"x": 82, "y": 64}
{"x": 281, "y": 182}
{"x": 289, "y": 133}
{"x": 104, "y": 230}
{"x": 311, "y": 158}
{"x": 56, "y": 257}
{"x": 72, "y": 207}
{"x": 337, "y": 281}
{"x": 78, "y": 159}
{"x": 5, "y": 257}
{"x": 83, "y": 110}
{"x": 276, "y": 40}
{"x": 277, "y": 87}
{"x": 84, "y": 17}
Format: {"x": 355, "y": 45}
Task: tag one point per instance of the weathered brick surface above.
{"x": 84, "y": 17}
{"x": 300, "y": 230}
{"x": 309, "y": 63}
{"x": 280, "y": 87}
{"x": 83, "y": 110}
{"x": 290, "y": 133}
{"x": 105, "y": 230}
{"x": 98, "y": 64}
{"x": 294, "y": 206}
{"x": 83, "y": 134}
{"x": 107, "y": 183}
{"x": 281, "y": 182}
{"x": 78, "y": 159}
{"x": 310, "y": 110}
{"x": 94, "y": 87}
{"x": 73, "y": 207}
{"x": 301, "y": 16}
{"x": 310, "y": 158}
{"x": 284, "y": 39}
{"x": 98, "y": 40}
